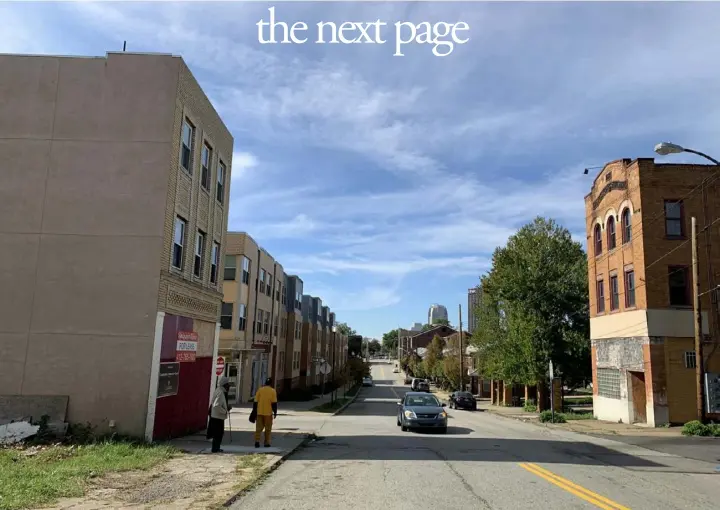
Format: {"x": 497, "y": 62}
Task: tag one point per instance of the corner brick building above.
{"x": 639, "y": 269}
{"x": 113, "y": 212}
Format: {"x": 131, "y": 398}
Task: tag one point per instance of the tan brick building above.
{"x": 311, "y": 332}
{"x": 254, "y": 316}
{"x": 113, "y": 211}
{"x": 639, "y": 268}
{"x": 288, "y": 371}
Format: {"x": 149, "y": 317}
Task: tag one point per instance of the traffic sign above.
{"x": 325, "y": 368}
{"x": 219, "y": 365}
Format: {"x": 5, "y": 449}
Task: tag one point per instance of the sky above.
{"x": 385, "y": 182}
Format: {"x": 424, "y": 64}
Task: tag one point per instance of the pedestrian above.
{"x": 218, "y": 412}
{"x": 264, "y": 409}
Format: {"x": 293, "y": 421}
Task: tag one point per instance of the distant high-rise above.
{"x": 437, "y": 312}
{"x": 417, "y": 326}
{"x": 474, "y": 300}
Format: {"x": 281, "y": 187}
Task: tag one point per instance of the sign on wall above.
{"x": 169, "y": 379}
{"x": 187, "y": 343}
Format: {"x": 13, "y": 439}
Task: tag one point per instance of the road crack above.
{"x": 462, "y": 479}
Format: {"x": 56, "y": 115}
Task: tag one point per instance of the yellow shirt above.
{"x": 265, "y": 397}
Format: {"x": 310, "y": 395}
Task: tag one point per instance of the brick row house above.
{"x": 639, "y": 269}
{"x": 268, "y": 327}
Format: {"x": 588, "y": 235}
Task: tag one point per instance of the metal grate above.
{"x": 690, "y": 359}
{"x": 608, "y": 380}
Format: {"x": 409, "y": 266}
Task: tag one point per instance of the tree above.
{"x": 371, "y": 346}
{"x": 434, "y": 355}
{"x": 534, "y": 308}
{"x": 436, "y": 323}
{"x": 344, "y": 329}
{"x": 390, "y": 342}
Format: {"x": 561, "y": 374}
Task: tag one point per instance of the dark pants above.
{"x": 216, "y": 431}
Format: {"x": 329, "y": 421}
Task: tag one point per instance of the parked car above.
{"x": 367, "y": 381}
{"x": 408, "y": 380}
{"x": 423, "y": 386}
{"x": 463, "y": 400}
{"x": 415, "y": 382}
{"x": 421, "y": 411}
{"x": 396, "y": 370}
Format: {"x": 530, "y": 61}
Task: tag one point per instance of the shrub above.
{"x": 547, "y": 416}
{"x": 696, "y": 428}
{"x": 715, "y": 429}
{"x": 529, "y": 407}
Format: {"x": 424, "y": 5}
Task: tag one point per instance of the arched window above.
{"x": 598, "y": 240}
{"x": 611, "y": 233}
{"x": 626, "y": 226}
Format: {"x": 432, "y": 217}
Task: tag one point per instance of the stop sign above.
{"x": 219, "y": 365}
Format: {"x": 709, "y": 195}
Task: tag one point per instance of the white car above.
{"x": 367, "y": 381}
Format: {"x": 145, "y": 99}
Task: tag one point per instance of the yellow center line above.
{"x": 581, "y": 492}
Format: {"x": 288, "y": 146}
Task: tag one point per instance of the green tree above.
{"x": 434, "y": 355}
{"x": 534, "y": 308}
{"x": 436, "y": 323}
{"x": 344, "y": 329}
{"x": 390, "y": 342}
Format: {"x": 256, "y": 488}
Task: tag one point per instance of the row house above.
{"x": 268, "y": 327}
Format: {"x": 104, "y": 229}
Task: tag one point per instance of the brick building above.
{"x": 411, "y": 340}
{"x": 639, "y": 268}
{"x": 113, "y": 212}
{"x": 254, "y": 316}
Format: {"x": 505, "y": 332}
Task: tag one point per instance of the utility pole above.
{"x": 698, "y": 324}
{"x": 462, "y": 386}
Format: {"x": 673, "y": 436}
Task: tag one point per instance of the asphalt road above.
{"x": 364, "y": 461}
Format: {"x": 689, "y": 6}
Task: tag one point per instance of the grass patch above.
{"x": 546, "y": 416}
{"x": 352, "y": 391}
{"x": 34, "y": 477}
{"x": 329, "y": 407}
{"x": 578, "y": 416}
{"x": 578, "y": 401}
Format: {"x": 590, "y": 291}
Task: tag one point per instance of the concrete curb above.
{"x": 274, "y": 464}
{"x": 347, "y": 404}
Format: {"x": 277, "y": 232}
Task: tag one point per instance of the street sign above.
{"x": 318, "y": 359}
{"x": 712, "y": 392}
{"x": 324, "y": 368}
{"x": 186, "y": 349}
{"x": 552, "y": 371}
{"x": 219, "y": 365}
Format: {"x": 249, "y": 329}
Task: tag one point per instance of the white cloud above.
{"x": 242, "y": 162}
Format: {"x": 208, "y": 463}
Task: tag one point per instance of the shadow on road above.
{"x": 421, "y": 447}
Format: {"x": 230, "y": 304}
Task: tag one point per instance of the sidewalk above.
{"x": 595, "y": 427}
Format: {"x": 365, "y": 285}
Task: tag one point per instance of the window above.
{"x": 178, "y": 242}
{"x": 608, "y": 176}
{"x": 214, "y": 263}
{"x": 626, "y": 226}
{"x": 230, "y": 270}
{"x": 268, "y": 287}
{"x": 221, "y": 182}
{"x": 674, "y": 212}
{"x": 608, "y": 380}
{"x": 266, "y": 324}
{"x": 262, "y": 281}
{"x": 242, "y": 317}
{"x": 277, "y": 290}
{"x": 629, "y": 289}
{"x": 226, "y": 316}
{"x": 199, "y": 251}
{"x": 679, "y": 283}
{"x": 611, "y": 233}
{"x": 281, "y": 366}
{"x": 600, "y": 296}
{"x": 275, "y": 326}
{"x": 245, "y": 270}
{"x": 282, "y": 295}
{"x": 205, "y": 161}
{"x": 614, "y": 293}
{"x": 690, "y": 359}
{"x": 258, "y": 322}
{"x": 598, "y": 240}
{"x": 188, "y": 134}
{"x": 282, "y": 329}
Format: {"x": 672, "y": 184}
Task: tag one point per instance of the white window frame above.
{"x": 184, "y": 144}
{"x": 179, "y": 245}
{"x": 242, "y": 316}
{"x": 205, "y": 166}
{"x": 199, "y": 253}
{"x": 220, "y": 184}
{"x": 215, "y": 262}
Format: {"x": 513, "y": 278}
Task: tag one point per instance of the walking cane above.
{"x": 230, "y": 426}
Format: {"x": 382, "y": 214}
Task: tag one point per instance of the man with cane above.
{"x": 219, "y": 411}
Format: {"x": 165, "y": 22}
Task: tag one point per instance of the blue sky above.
{"x": 386, "y": 182}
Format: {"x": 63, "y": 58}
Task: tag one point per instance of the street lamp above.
{"x": 665, "y": 148}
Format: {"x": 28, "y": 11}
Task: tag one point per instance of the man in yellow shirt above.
{"x": 265, "y": 408}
